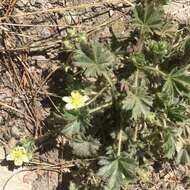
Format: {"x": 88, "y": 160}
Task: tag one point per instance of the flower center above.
{"x": 76, "y": 99}
{"x": 18, "y": 153}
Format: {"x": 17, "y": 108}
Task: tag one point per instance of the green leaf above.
{"x": 77, "y": 121}
{"x": 29, "y": 144}
{"x": 170, "y": 139}
{"x": 85, "y": 147}
{"x": 183, "y": 156}
{"x": 73, "y": 186}
{"x": 175, "y": 111}
{"x": 137, "y": 59}
{"x": 158, "y": 49}
{"x": 139, "y": 103}
{"x": 187, "y": 46}
{"x": 148, "y": 18}
{"x": 94, "y": 59}
{"x": 115, "y": 171}
{"x": 168, "y": 30}
{"x": 177, "y": 82}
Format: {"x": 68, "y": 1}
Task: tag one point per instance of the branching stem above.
{"x": 155, "y": 70}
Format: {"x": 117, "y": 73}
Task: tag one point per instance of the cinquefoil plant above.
{"x": 137, "y": 103}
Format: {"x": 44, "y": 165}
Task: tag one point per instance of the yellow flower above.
{"x": 18, "y": 155}
{"x": 75, "y": 101}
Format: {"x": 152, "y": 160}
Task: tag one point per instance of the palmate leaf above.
{"x": 158, "y": 2}
{"x": 85, "y": 147}
{"x": 148, "y": 18}
{"x": 115, "y": 171}
{"x": 175, "y": 111}
{"x": 183, "y": 156}
{"x": 94, "y": 59}
{"x": 168, "y": 29}
{"x": 76, "y": 122}
{"x": 169, "y": 145}
{"x": 177, "y": 82}
{"x": 138, "y": 103}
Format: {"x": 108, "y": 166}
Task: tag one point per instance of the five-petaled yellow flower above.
{"x": 75, "y": 101}
{"x": 19, "y": 155}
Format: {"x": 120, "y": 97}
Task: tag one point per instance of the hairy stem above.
{"x": 100, "y": 107}
{"x": 108, "y": 79}
{"x": 136, "y": 88}
{"x": 155, "y": 70}
{"x": 119, "y": 142}
{"x": 136, "y": 80}
{"x": 135, "y": 133}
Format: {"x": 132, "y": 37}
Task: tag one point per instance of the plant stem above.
{"x": 108, "y": 79}
{"x": 135, "y": 133}
{"x": 136, "y": 80}
{"x": 140, "y": 41}
{"x": 100, "y": 107}
{"x": 156, "y": 70}
{"x": 119, "y": 142}
{"x": 136, "y": 88}
{"x": 95, "y": 97}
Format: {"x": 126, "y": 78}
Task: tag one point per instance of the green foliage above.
{"x": 177, "y": 82}
{"x": 169, "y": 147}
{"x": 137, "y": 59}
{"x": 76, "y": 121}
{"x": 141, "y": 109}
{"x": 94, "y": 59}
{"x": 139, "y": 103}
{"x": 183, "y": 156}
{"x": 175, "y": 111}
{"x": 115, "y": 171}
{"x": 73, "y": 186}
{"x": 29, "y": 144}
{"x": 158, "y": 49}
{"x": 148, "y": 18}
{"x": 85, "y": 147}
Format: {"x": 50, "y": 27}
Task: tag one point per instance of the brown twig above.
{"x": 81, "y": 6}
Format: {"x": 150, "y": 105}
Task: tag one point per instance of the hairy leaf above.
{"x": 76, "y": 122}
{"x": 115, "y": 171}
{"x": 170, "y": 138}
{"x": 138, "y": 103}
{"x": 175, "y": 111}
{"x": 148, "y": 18}
{"x": 158, "y": 49}
{"x": 137, "y": 59}
{"x": 85, "y": 147}
{"x": 177, "y": 82}
{"x": 183, "y": 156}
{"x": 94, "y": 59}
